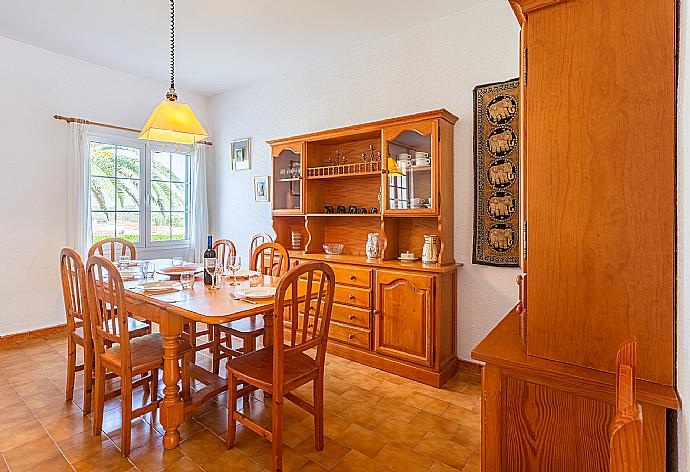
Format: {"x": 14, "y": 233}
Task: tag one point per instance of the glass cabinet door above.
{"x": 411, "y": 166}
{"x": 287, "y": 178}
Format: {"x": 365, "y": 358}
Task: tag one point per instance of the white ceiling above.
{"x": 219, "y": 43}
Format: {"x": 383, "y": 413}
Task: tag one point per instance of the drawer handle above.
{"x": 351, "y": 297}
{"x": 352, "y": 317}
{"x": 350, "y": 336}
{"x": 352, "y": 277}
{"x": 377, "y": 313}
{"x": 310, "y": 325}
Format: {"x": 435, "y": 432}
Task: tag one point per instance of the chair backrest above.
{"x": 625, "y": 430}
{"x": 224, "y": 249}
{"x": 74, "y": 291}
{"x": 305, "y": 289}
{"x": 117, "y": 247}
{"x": 257, "y": 240}
{"x": 107, "y": 307}
{"x": 270, "y": 259}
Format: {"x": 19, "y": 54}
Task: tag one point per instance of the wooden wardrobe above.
{"x": 598, "y": 92}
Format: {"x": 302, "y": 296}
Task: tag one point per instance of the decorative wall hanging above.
{"x": 239, "y": 154}
{"x": 496, "y": 174}
{"x": 262, "y": 191}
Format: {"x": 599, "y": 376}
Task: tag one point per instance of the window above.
{"x": 138, "y": 194}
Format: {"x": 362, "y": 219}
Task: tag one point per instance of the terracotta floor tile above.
{"x": 154, "y": 457}
{"x": 391, "y": 408}
{"x": 335, "y": 385}
{"x": 292, "y": 460}
{"x": 232, "y": 460}
{"x": 464, "y": 416}
{"x": 444, "y": 450}
{"x": 142, "y": 434}
{"x": 68, "y": 426}
{"x": 441, "y": 467}
{"x": 427, "y": 403}
{"x": 473, "y": 389}
{"x": 31, "y": 454}
{"x": 474, "y": 464}
{"x": 395, "y": 391}
{"x": 363, "y": 415}
{"x": 457, "y": 398}
{"x": 363, "y": 440}
{"x": 55, "y": 464}
{"x": 248, "y": 441}
{"x": 402, "y": 458}
{"x": 183, "y": 465}
{"x": 202, "y": 447}
{"x": 333, "y": 425}
{"x": 28, "y": 431}
{"x": 334, "y": 402}
{"x": 361, "y": 396}
{"x": 216, "y": 420}
{"x": 80, "y": 446}
{"x": 3, "y": 464}
{"x": 109, "y": 459}
{"x": 331, "y": 454}
{"x": 468, "y": 437}
{"x": 12, "y": 417}
{"x": 312, "y": 467}
{"x": 435, "y": 424}
{"x": 355, "y": 461}
{"x": 406, "y": 434}
{"x": 51, "y": 413}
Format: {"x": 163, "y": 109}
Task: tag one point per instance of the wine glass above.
{"x": 218, "y": 272}
{"x": 210, "y": 269}
{"x": 234, "y": 264}
{"x": 148, "y": 269}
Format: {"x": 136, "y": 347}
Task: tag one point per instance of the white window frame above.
{"x": 145, "y": 242}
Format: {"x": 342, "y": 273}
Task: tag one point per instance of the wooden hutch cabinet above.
{"x": 598, "y": 91}
{"x": 338, "y": 186}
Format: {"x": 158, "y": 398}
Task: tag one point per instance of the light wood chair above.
{"x": 626, "y": 427}
{"x": 79, "y": 324}
{"x": 257, "y": 240}
{"x": 224, "y": 248}
{"x": 281, "y": 368}
{"x": 127, "y": 358}
{"x": 249, "y": 329}
{"x": 116, "y": 246}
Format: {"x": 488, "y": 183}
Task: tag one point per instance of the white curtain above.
{"x": 198, "y": 215}
{"x": 78, "y": 197}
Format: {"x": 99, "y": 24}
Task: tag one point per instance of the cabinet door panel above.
{"x": 403, "y": 323}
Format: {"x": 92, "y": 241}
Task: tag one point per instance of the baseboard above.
{"x": 37, "y": 333}
{"x": 471, "y": 367}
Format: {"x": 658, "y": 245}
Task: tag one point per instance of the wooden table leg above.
{"x": 171, "y": 407}
{"x": 268, "y": 329}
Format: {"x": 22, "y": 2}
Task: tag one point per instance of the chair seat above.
{"x": 136, "y": 328}
{"x": 146, "y": 353}
{"x": 257, "y": 367}
{"x": 251, "y": 325}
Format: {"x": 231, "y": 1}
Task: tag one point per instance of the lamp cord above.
{"x": 172, "y": 44}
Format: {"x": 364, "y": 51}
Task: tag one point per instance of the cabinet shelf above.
{"x": 344, "y": 176}
{"x": 342, "y": 215}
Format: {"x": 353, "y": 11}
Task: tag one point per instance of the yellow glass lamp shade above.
{"x": 173, "y": 122}
{"x": 393, "y": 168}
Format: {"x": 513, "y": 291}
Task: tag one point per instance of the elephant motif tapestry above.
{"x": 496, "y": 174}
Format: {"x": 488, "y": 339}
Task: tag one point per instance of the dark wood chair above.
{"x": 281, "y": 368}
{"x": 117, "y": 247}
{"x": 127, "y": 357}
{"x": 257, "y": 240}
{"x": 251, "y": 328}
{"x": 79, "y": 324}
{"x": 626, "y": 427}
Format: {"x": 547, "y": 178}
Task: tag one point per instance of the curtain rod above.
{"x": 69, "y": 119}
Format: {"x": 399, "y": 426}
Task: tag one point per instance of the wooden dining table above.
{"x": 171, "y": 311}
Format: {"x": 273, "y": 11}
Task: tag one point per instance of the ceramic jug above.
{"x": 431, "y": 248}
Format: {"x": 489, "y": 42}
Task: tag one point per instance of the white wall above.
{"x": 35, "y": 84}
{"x": 683, "y": 322}
{"x": 436, "y": 65}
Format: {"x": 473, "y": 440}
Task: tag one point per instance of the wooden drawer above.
{"x": 350, "y": 335}
{"x": 353, "y": 296}
{"x": 350, "y": 315}
{"x": 351, "y": 275}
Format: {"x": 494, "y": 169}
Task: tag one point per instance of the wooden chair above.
{"x": 249, "y": 329}
{"x": 117, "y": 246}
{"x": 625, "y": 438}
{"x": 281, "y": 368}
{"x": 79, "y": 324}
{"x": 224, "y": 248}
{"x": 127, "y": 357}
{"x": 257, "y": 240}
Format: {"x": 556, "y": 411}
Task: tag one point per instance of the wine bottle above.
{"x": 209, "y": 261}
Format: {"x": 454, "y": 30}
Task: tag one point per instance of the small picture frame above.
{"x": 240, "y": 154}
{"x": 262, "y": 189}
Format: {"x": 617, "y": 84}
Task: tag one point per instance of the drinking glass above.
{"x": 187, "y": 280}
{"x": 148, "y": 269}
{"x": 234, "y": 264}
{"x": 218, "y": 272}
{"x": 210, "y": 268}
{"x": 123, "y": 262}
{"x": 177, "y": 261}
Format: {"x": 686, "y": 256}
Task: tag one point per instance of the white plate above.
{"x": 260, "y": 292}
{"x": 243, "y": 273}
{"x": 406, "y": 259}
{"x": 161, "y": 286}
{"x": 128, "y": 275}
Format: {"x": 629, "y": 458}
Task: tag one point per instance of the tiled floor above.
{"x": 374, "y": 421}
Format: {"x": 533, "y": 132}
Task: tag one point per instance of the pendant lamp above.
{"x": 173, "y": 126}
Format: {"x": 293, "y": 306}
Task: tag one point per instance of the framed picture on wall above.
{"x": 239, "y": 154}
{"x": 262, "y": 191}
